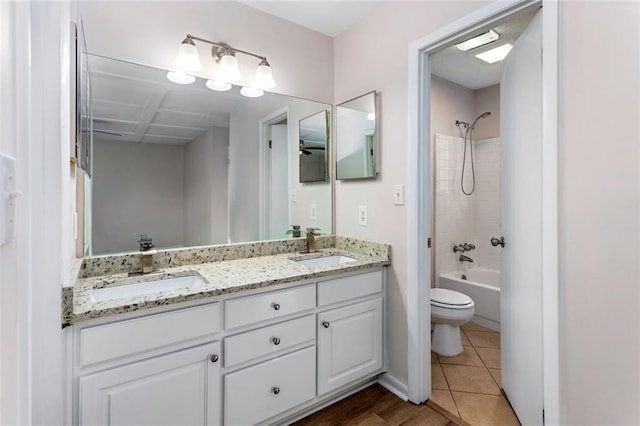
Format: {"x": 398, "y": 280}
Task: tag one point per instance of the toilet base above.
{"x": 446, "y": 340}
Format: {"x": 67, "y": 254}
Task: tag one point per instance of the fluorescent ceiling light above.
{"x": 478, "y": 41}
{"x": 495, "y": 55}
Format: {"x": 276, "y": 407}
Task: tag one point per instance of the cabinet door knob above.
{"x": 325, "y": 324}
{"x": 214, "y": 358}
{"x": 275, "y": 390}
{"x": 276, "y": 341}
{"x": 275, "y": 306}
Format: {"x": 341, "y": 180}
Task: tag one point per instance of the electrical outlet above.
{"x": 363, "y": 215}
{"x": 398, "y": 195}
{"x": 313, "y": 212}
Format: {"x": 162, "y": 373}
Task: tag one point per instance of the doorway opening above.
{"x": 465, "y": 217}
{"x": 275, "y": 188}
{"x": 427, "y": 151}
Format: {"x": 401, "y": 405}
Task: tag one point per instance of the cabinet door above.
{"x": 182, "y": 388}
{"x": 349, "y": 344}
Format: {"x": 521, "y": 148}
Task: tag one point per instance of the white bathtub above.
{"x": 483, "y": 287}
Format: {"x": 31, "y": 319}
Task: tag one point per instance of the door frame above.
{"x": 419, "y": 203}
{"x": 265, "y": 167}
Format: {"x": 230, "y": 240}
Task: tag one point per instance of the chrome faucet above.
{"x": 311, "y": 239}
{"x": 146, "y": 247}
{"x": 464, "y": 258}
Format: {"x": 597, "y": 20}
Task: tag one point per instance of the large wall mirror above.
{"x": 190, "y": 166}
{"x": 356, "y": 139}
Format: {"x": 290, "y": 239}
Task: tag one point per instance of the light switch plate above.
{"x": 8, "y": 195}
{"x": 363, "y": 215}
{"x": 313, "y": 212}
{"x": 294, "y": 196}
{"x": 398, "y": 195}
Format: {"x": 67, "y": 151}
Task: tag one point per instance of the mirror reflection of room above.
{"x": 313, "y": 147}
{"x": 187, "y": 165}
{"x": 356, "y": 138}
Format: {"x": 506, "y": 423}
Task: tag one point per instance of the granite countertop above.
{"x": 219, "y": 277}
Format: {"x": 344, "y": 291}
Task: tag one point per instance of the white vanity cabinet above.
{"x": 350, "y": 342}
{"x": 181, "y": 388}
{"x": 260, "y": 357}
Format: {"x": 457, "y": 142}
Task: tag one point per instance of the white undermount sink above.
{"x": 147, "y": 287}
{"x": 325, "y": 261}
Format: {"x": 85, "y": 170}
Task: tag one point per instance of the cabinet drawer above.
{"x": 347, "y": 288}
{"x": 253, "y": 344}
{"x": 270, "y": 388}
{"x": 266, "y": 306}
{"x": 106, "y": 342}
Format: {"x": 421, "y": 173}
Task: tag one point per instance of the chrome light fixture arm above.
{"x": 225, "y": 48}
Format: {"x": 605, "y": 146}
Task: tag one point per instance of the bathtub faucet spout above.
{"x": 464, "y": 258}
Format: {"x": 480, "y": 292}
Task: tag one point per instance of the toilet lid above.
{"x": 449, "y": 298}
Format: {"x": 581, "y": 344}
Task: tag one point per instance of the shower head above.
{"x": 483, "y": 115}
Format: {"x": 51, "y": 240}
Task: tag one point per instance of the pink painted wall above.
{"x": 372, "y": 55}
{"x": 150, "y": 33}
{"x": 599, "y": 217}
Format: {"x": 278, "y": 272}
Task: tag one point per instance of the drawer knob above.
{"x": 214, "y": 358}
{"x": 275, "y": 390}
{"x": 275, "y": 306}
{"x": 325, "y": 324}
{"x": 276, "y": 341}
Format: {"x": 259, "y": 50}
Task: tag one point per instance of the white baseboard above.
{"x": 394, "y": 385}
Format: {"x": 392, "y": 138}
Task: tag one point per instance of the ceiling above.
{"x": 465, "y": 69}
{"x": 326, "y": 17}
{"x": 134, "y": 103}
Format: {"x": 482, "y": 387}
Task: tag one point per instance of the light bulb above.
{"x": 264, "y": 76}
{"x": 180, "y": 77}
{"x": 251, "y": 92}
{"x": 188, "y": 58}
{"x": 218, "y": 85}
{"x": 228, "y": 68}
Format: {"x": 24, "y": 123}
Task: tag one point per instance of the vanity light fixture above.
{"x": 218, "y": 85}
{"x": 495, "y": 55}
{"x": 180, "y": 77}
{"x": 228, "y": 71}
{"x": 478, "y": 41}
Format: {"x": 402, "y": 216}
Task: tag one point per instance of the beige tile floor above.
{"x": 468, "y": 385}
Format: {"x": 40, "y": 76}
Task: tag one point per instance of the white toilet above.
{"x": 449, "y": 310}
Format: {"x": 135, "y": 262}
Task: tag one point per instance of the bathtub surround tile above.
{"x": 489, "y": 356}
{"x": 470, "y": 379}
{"x": 485, "y": 410}
{"x": 467, "y": 357}
{"x": 483, "y": 339}
{"x": 444, "y": 399}
{"x": 438, "y": 380}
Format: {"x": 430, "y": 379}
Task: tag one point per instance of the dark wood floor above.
{"x": 375, "y": 406}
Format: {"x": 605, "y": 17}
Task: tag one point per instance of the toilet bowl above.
{"x": 449, "y": 310}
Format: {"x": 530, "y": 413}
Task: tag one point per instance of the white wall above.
{"x": 35, "y": 59}
{"x": 360, "y": 69}
{"x": 450, "y": 102}
{"x": 137, "y": 189}
{"x": 244, "y": 167}
{"x": 599, "y": 178}
{"x": 205, "y": 188}
{"x": 150, "y": 33}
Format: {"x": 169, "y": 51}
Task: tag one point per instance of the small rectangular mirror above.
{"x": 314, "y": 133}
{"x": 356, "y": 140}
